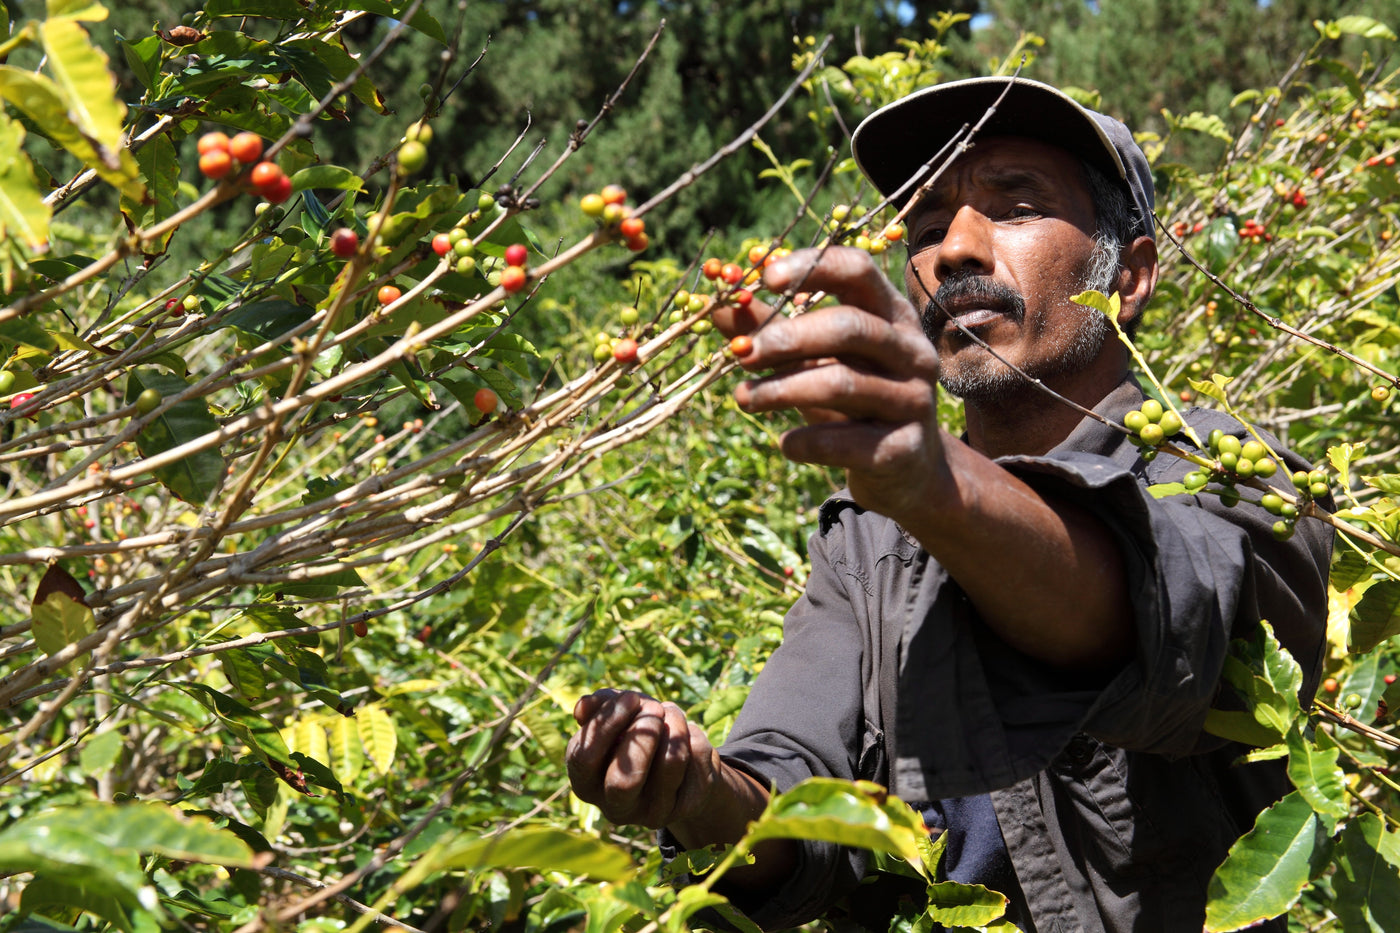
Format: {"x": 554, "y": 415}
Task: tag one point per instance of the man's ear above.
{"x": 1137, "y": 278}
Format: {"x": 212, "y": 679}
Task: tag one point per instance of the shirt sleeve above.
{"x": 804, "y": 718}
{"x": 1200, "y": 574}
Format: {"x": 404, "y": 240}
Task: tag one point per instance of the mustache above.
{"x": 969, "y": 288}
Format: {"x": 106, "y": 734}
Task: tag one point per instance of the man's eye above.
{"x": 1022, "y": 211}
{"x": 928, "y": 236}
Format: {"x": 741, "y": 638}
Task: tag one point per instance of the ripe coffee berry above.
{"x": 214, "y": 141}
{"x": 265, "y": 174}
{"x": 246, "y": 147}
{"x": 741, "y": 345}
{"x": 388, "y": 294}
{"x": 361, "y": 629}
{"x": 517, "y": 255}
{"x": 215, "y": 164}
{"x": 625, "y": 350}
{"x": 632, "y": 227}
{"x": 741, "y": 297}
{"x": 613, "y": 194}
{"x": 512, "y": 279}
{"x": 344, "y": 242}
{"x": 485, "y": 401}
{"x": 637, "y": 243}
{"x": 20, "y": 399}
{"x": 278, "y": 191}
{"x": 442, "y": 244}
{"x": 711, "y": 268}
{"x": 732, "y": 273}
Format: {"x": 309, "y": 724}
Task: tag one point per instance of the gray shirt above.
{"x": 1114, "y": 804}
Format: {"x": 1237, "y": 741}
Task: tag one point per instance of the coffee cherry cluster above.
{"x": 622, "y": 349}
{"x": 874, "y": 242}
{"x": 1151, "y": 426}
{"x": 609, "y": 208}
{"x": 1253, "y": 231}
{"x": 218, "y": 154}
{"x": 458, "y": 248}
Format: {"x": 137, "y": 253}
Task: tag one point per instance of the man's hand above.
{"x": 862, "y": 373}
{"x": 640, "y": 760}
{"x": 865, "y": 376}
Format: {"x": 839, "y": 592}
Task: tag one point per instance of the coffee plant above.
{"x": 315, "y": 540}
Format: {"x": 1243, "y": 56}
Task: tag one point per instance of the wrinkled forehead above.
{"x": 1009, "y": 165}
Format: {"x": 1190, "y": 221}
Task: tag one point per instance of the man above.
{"x": 1006, "y": 628}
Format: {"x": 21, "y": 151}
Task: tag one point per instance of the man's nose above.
{"x": 967, "y": 244}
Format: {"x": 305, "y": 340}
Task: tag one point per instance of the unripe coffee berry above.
{"x": 413, "y": 155}
{"x": 629, "y": 315}
{"x": 147, "y": 402}
{"x": 1152, "y": 435}
{"x": 466, "y": 265}
{"x": 592, "y": 205}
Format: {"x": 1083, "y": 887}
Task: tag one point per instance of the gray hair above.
{"x": 1115, "y": 221}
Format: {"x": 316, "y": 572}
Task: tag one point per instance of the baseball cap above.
{"x": 894, "y": 142}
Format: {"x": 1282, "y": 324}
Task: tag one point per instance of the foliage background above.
{"x": 667, "y": 563}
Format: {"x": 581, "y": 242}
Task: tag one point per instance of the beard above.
{"x": 988, "y": 379}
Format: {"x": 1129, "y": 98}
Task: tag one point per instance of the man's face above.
{"x": 1002, "y": 242}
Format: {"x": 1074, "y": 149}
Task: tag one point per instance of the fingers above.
{"x": 849, "y": 274}
{"x": 841, "y": 390}
{"x": 632, "y": 758}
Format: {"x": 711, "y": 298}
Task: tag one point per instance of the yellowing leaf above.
{"x": 378, "y": 737}
{"x": 347, "y": 757}
{"x": 59, "y": 621}
{"x": 80, "y": 70}
{"x": 23, "y": 213}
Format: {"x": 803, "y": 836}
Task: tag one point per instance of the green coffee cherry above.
{"x": 1135, "y": 421}
{"x": 1170, "y": 423}
{"x": 1283, "y": 530}
{"x": 1273, "y": 503}
{"x": 1152, "y": 435}
{"x": 629, "y": 315}
{"x": 1153, "y": 410}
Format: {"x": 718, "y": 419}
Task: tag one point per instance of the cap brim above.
{"x": 892, "y": 145}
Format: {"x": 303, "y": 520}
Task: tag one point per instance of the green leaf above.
{"x": 1239, "y": 726}
{"x": 273, "y": 9}
{"x": 195, "y": 476}
{"x": 25, "y": 332}
{"x": 100, "y": 753}
{"x": 1388, "y": 483}
{"x": 323, "y": 586}
{"x": 853, "y": 814}
{"x": 1364, "y": 26}
{"x": 1315, "y": 773}
{"x": 1215, "y": 388}
{"x": 76, "y": 892}
{"x": 81, "y": 73}
{"x": 261, "y": 737}
{"x": 1367, "y": 881}
{"x": 540, "y": 848}
{"x": 138, "y": 827}
{"x": 378, "y": 736}
{"x": 1376, "y": 617}
{"x": 327, "y": 176}
{"x": 421, "y": 21}
{"x": 59, "y": 621}
{"x": 45, "y": 104}
{"x": 964, "y": 905}
{"x": 142, "y": 57}
{"x": 23, "y": 213}
{"x": 1341, "y": 458}
{"x": 1266, "y": 870}
{"x": 1267, "y": 679}
{"x": 160, "y": 166}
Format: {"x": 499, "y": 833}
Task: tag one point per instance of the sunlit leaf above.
{"x": 23, "y": 213}
{"x": 540, "y": 848}
{"x": 1266, "y": 870}
{"x": 377, "y": 735}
